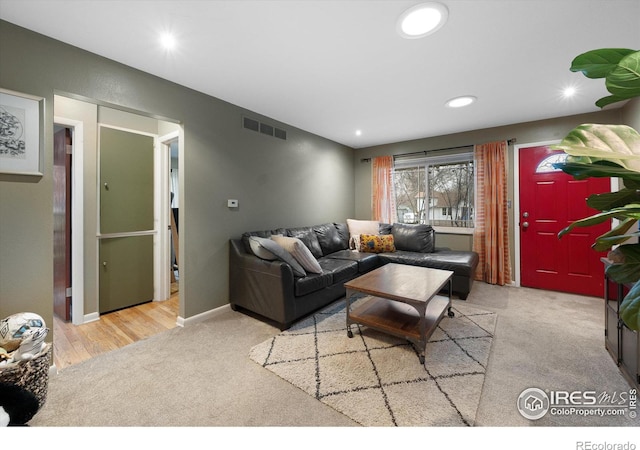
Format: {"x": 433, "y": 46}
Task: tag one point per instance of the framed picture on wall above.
{"x": 21, "y": 119}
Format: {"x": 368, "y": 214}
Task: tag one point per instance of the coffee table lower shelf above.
{"x": 399, "y": 319}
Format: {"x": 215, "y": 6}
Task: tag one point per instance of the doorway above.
{"x": 62, "y": 150}
{"x": 170, "y": 153}
{"x": 84, "y": 119}
{"x": 548, "y": 201}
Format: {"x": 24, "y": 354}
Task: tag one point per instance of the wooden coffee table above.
{"x": 400, "y": 300}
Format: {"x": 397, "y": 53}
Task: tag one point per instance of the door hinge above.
{"x": 606, "y": 333}
{"x": 68, "y": 292}
{"x": 69, "y": 149}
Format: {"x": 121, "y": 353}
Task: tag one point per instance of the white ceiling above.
{"x": 332, "y": 67}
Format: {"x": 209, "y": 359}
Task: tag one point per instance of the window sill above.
{"x": 454, "y": 230}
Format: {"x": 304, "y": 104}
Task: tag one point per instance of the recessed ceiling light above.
{"x": 569, "y": 92}
{"x": 358, "y": 132}
{"x": 168, "y": 41}
{"x": 422, "y": 20}
{"x": 459, "y": 102}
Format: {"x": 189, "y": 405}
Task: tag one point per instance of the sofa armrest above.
{"x": 264, "y": 287}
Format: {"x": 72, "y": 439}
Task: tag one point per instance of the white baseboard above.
{"x": 91, "y": 317}
{"x": 182, "y": 322}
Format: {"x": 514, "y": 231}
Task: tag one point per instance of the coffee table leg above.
{"x": 349, "y": 333}
{"x": 449, "y": 312}
{"x": 422, "y": 311}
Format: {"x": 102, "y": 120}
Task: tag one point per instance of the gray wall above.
{"x": 301, "y": 181}
{"x": 524, "y": 133}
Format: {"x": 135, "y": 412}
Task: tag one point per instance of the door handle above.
{"x": 525, "y": 224}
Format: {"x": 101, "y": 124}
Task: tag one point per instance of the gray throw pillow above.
{"x": 269, "y": 250}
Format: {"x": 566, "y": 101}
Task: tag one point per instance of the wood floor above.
{"x": 76, "y": 343}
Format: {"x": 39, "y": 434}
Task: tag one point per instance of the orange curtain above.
{"x": 384, "y": 202}
{"x": 491, "y": 232}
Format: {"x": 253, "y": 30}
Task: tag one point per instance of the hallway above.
{"x": 73, "y": 344}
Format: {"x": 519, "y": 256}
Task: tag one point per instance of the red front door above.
{"x": 549, "y": 201}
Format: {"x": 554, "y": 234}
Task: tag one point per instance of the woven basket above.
{"x": 31, "y": 375}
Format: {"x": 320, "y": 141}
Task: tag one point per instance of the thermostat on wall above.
{"x": 232, "y": 203}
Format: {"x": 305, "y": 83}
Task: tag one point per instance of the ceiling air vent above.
{"x": 266, "y": 129}
{"x": 251, "y": 124}
{"x": 263, "y": 128}
{"x": 280, "y": 134}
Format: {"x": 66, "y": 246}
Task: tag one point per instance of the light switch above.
{"x": 232, "y": 203}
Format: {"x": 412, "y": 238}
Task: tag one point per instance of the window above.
{"x": 438, "y": 191}
{"x": 546, "y": 165}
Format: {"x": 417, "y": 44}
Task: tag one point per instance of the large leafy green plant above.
{"x": 611, "y": 151}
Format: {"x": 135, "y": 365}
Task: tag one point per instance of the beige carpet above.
{"x": 201, "y": 376}
{"x": 376, "y": 379}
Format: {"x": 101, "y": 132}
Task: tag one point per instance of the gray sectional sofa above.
{"x": 273, "y": 287}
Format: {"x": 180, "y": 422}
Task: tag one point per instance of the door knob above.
{"x": 525, "y": 224}
{"x": 106, "y": 186}
{"x": 104, "y": 264}
{"x": 525, "y": 214}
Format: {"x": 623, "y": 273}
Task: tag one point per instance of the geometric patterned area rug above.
{"x": 376, "y": 379}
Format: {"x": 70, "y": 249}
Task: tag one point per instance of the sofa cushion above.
{"x": 269, "y": 250}
{"x": 385, "y": 228}
{"x": 414, "y": 237}
{"x": 299, "y": 251}
{"x": 343, "y": 232}
{"x": 365, "y": 261}
{"x": 308, "y": 238}
{"x": 311, "y": 283}
{"x": 329, "y": 239}
{"x": 375, "y": 243}
{"x": 460, "y": 262}
{"x": 341, "y": 270}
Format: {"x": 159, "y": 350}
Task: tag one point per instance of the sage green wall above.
{"x": 524, "y": 133}
{"x": 631, "y": 114}
{"x": 301, "y": 181}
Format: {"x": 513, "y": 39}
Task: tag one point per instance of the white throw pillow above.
{"x": 299, "y": 251}
{"x": 358, "y": 227}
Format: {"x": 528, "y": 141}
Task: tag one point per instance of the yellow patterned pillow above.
{"x": 377, "y": 243}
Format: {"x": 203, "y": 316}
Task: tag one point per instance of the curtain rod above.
{"x": 426, "y": 152}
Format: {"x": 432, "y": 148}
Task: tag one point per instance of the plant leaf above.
{"x": 589, "y": 143}
{"x": 615, "y": 236}
{"x": 598, "y": 63}
{"x": 630, "y": 308}
{"x": 624, "y": 80}
{"x": 631, "y": 184}
{"x": 610, "y": 200}
{"x": 613, "y": 240}
{"x": 630, "y": 211}
{"x": 599, "y": 169}
{"x": 629, "y": 270}
{"x": 609, "y": 100}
